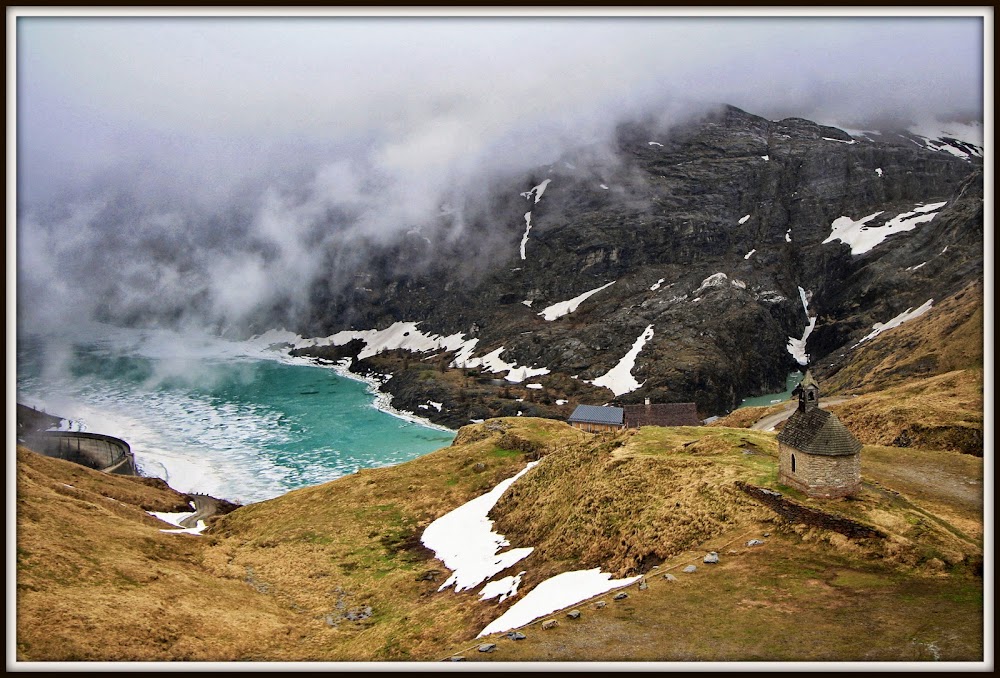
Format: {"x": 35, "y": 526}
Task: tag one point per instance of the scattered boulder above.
{"x": 600, "y": 604}
{"x": 456, "y": 658}
{"x": 669, "y": 577}
{"x": 643, "y": 585}
{"x": 621, "y": 596}
{"x": 573, "y": 614}
{"x": 754, "y": 542}
{"x": 766, "y": 535}
{"x": 359, "y": 615}
{"x": 689, "y": 569}
{"x": 712, "y": 557}
{"x": 479, "y": 467}
{"x": 487, "y": 647}
{"x": 516, "y": 635}
{"x": 549, "y": 624}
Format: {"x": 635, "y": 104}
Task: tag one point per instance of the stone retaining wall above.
{"x": 797, "y": 513}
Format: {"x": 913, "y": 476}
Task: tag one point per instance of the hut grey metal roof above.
{"x": 816, "y": 431}
{"x": 594, "y": 414}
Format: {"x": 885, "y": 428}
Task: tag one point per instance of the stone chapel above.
{"x": 817, "y": 454}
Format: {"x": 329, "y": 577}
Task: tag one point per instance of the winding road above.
{"x": 770, "y": 421}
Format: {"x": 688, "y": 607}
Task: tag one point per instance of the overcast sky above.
{"x": 213, "y": 108}
{"x": 431, "y": 90}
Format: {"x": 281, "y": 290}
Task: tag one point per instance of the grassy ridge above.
{"x": 947, "y": 338}
{"x": 97, "y": 580}
{"x": 944, "y": 412}
{"x": 337, "y": 571}
{"x": 630, "y": 501}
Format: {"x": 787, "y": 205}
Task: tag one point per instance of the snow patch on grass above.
{"x": 556, "y": 593}
{"x": 465, "y": 542}
{"x": 906, "y": 316}
{"x": 504, "y": 588}
{"x": 175, "y": 519}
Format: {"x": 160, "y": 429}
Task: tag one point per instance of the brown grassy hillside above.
{"x": 633, "y": 500}
{"x": 336, "y": 572}
{"x": 942, "y": 412}
{"x": 97, "y": 580}
{"x": 949, "y": 337}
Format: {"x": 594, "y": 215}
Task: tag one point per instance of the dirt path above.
{"x": 769, "y": 422}
{"x": 204, "y": 508}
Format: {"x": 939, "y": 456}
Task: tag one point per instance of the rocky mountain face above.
{"x": 708, "y": 246}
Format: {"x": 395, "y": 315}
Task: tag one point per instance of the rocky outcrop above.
{"x": 707, "y": 229}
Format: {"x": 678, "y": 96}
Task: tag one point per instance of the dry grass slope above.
{"x": 630, "y": 501}
{"x": 943, "y": 412}
{"x": 336, "y": 572}
{"x": 97, "y": 580}
{"x": 947, "y": 338}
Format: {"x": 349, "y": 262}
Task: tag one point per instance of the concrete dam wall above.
{"x": 93, "y": 450}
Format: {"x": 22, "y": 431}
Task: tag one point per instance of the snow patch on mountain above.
{"x": 494, "y": 363}
{"x": 963, "y": 140}
{"x": 565, "y": 307}
{"x": 407, "y": 337}
{"x": 718, "y": 280}
{"x": 797, "y": 347}
{"x": 906, "y": 316}
{"x": 536, "y": 191}
{"x": 863, "y": 238}
{"x": 619, "y": 378}
{"x": 527, "y": 229}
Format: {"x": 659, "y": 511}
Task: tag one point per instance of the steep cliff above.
{"x": 707, "y": 246}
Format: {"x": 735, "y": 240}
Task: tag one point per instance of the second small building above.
{"x": 596, "y": 418}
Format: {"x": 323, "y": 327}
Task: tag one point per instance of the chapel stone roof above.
{"x": 816, "y": 431}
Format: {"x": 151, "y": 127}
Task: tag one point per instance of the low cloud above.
{"x": 209, "y": 168}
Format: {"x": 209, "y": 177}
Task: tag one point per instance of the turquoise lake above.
{"x": 791, "y": 381}
{"x": 237, "y": 420}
